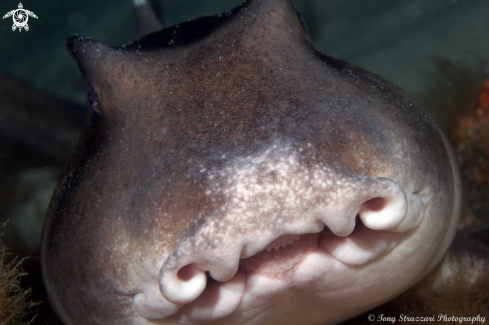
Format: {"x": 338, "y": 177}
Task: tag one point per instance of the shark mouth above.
{"x": 270, "y": 228}
{"x": 278, "y": 261}
{"x": 282, "y": 256}
{"x": 199, "y": 292}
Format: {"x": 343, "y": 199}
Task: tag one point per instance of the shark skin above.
{"x": 228, "y": 173}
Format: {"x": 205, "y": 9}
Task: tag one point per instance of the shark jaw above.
{"x": 290, "y": 263}
{"x": 288, "y": 234}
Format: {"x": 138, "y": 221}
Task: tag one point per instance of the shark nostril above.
{"x": 183, "y": 286}
{"x": 375, "y": 204}
{"x": 386, "y": 211}
{"x": 186, "y": 273}
{"x": 382, "y": 211}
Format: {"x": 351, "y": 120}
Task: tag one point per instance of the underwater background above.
{"x": 436, "y": 50}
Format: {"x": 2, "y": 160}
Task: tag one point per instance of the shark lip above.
{"x": 279, "y": 260}
{"x": 275, "y": 260}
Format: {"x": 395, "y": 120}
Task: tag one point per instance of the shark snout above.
{"x": 272, "y": 222}
{"x": 376, "y": 211}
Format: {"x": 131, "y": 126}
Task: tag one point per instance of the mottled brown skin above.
{"x": 170, "y": 109}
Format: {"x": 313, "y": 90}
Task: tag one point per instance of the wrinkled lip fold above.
{"x": 271, "y": 269}
{"x": 277, "y": 262}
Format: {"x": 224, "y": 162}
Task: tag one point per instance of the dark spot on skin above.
{"x": 209, "y": 278}
{"x": 358, "y": 221}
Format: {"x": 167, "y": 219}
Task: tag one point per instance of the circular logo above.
{"x": 20, "y": 18}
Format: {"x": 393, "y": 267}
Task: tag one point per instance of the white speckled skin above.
{"x": 237, "y": 176}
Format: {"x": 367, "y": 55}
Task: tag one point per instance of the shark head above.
{"x": 231, "y": 174}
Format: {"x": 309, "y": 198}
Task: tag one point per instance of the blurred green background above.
{"x": 395, "y": 39}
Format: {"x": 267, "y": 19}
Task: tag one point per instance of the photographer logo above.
{"x": 20, "y": 17}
